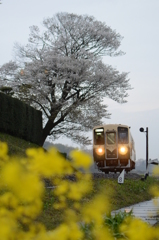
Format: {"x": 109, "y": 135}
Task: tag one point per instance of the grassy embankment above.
{"x": 16, "y": 146}
{"x": 131, "y": 192}
{"x": 120, "y": 195}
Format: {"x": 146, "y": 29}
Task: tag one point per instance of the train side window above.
{"x": 110, "y": 138}
{"x": 122, "y": 135}
{"x": 99, "y": 136}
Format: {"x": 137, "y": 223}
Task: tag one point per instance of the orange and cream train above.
{"x": 113, "y": 148}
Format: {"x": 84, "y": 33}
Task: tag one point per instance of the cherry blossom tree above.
{"x": 61, "y": 72}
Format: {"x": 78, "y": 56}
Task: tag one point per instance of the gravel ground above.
{"x": 133, "y": 176}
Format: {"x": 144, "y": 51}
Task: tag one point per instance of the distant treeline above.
{"x": 19, "y": 119}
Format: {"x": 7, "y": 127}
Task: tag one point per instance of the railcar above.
{"x": 113, "y": 148}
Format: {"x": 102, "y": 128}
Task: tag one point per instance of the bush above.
{"x": 21, "y": 200}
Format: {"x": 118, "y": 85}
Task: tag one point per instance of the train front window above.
{"x": 99, "y": 136}
{"x": 111, "y": 138}
{"x": 122, "y": 135}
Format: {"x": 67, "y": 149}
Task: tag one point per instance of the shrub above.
{"x": 21, "y": 200}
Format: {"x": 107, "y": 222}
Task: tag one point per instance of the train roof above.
{"x": 111, "y": 125}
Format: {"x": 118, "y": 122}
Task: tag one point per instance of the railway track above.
{"x": 133, "y": 176}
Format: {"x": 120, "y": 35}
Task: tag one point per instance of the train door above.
{"x": 111, "y": 145}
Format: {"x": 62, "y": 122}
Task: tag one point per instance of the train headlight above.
{"x": 99, "y": 151}
{"x": 123, "y": 150}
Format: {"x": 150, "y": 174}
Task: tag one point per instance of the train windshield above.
{"x": 99, "y": 136}
{"x": 111, "y": 138}
{"x": 122, "y": 135}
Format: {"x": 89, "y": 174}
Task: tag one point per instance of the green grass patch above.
{"x": 120, "y": 195}
{"x": 16, "y": 145}
{"x": 128, "y": 193}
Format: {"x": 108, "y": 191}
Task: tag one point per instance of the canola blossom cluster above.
{"x": 22, "y": 191}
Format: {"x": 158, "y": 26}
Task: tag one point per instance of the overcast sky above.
{"x": 137, "y": 21}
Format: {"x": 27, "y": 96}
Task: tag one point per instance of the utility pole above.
{"x": 147, "y": 147}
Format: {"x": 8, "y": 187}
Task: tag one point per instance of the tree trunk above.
{"x": 46, "y": 131}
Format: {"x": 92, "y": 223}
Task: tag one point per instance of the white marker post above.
{"x": 121, "y": 177}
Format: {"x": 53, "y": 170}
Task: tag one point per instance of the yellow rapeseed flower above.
{"x": 154, "y": 191}
{"x": 62, "y": 188}
{"x": 22, "y": 189}
{"x": 25, "y": 185}
{"x": 81, "y": 159}
{"x": 78, "y": 189}
{"x": 155, "y": 171}
{"x": 102, "y": 233}
{"x": 3, "y": 151}
{"x": 136, "y": 229}
{"x": 94, "y": 211}
{"x": 48, "y": 163}
{"x": 8, "y": 228}
{"x": 8, "y": 200}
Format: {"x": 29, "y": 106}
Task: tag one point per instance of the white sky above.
{"x": 137, "y": 21}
